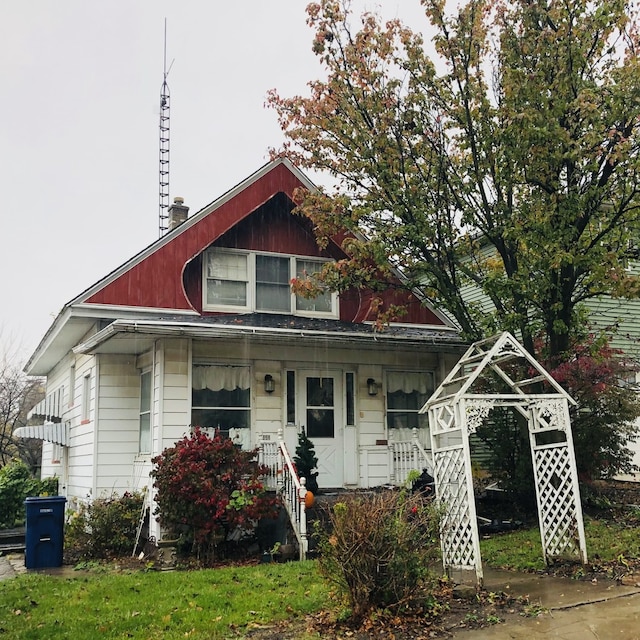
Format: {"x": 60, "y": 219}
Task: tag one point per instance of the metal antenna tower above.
{"x": 164, "y": 142}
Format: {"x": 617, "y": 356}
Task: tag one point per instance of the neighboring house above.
{"x": 618, "y": 317}
{"x": 201, "y": 329}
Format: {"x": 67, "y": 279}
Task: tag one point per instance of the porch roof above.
{"x": 135, "y": 336}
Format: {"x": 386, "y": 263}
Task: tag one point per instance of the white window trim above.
{"x": 251, "y": 286}
{"x": 149, "y": 412}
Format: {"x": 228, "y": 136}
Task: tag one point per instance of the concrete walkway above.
{"x": 11, "y": 565}
{"x": 573, "y": 609}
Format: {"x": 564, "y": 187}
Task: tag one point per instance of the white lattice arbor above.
{"x": 494, "y": 373}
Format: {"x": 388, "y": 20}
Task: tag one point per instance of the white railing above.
{"x": 406, "y": 456}
{"x": 283, "y": 477}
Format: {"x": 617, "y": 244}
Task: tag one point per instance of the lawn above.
{"x": 230, "y": 602}
{"x": 213, "y": 603}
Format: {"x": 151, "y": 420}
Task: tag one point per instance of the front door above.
{"x": 320, "y": 413}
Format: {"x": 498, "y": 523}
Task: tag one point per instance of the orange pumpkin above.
{"x": 309, "y": 499}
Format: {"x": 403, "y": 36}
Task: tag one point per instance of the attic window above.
{"x": 246, "y": 281}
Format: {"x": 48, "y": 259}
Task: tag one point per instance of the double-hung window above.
{"x": 248, "y": 281}
{"x": 221, "y": 397}
{"x": 407, "y": 392}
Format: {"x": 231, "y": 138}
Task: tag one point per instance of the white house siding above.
{"x": 118, "y": 424}
{"x": 82, "y": 434}
{"x": 269, "y": 411}
{"x": 173, "y": 363}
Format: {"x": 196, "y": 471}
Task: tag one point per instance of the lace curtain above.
{"x": 217, "y": 377}
{"x": 408, "y": 382}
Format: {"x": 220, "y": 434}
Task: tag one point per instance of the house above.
{"x": 201, "y": 328}
{"x": 618, "y": 318}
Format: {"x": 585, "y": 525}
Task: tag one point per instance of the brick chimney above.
{"x": 178, "y": 213}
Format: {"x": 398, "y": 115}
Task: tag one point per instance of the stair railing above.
{"x": 283, "y": 477}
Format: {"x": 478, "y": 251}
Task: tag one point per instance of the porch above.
{"x": 404, "y": 456}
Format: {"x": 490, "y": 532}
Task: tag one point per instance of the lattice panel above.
{"x": 442, "y": 418}
{"x": 457, "y": 530}
{"x": 557, "y": 500}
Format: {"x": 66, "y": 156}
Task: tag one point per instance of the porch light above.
{"x": 269, "y": 383}
{"x": 372, "y": 387}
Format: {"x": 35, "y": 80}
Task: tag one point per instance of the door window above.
{"x": 320, "y": 407}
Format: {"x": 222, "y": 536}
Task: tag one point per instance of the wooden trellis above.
{"x": 493, "y": 373}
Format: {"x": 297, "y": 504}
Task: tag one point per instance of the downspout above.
{"x": 96, "y": 416}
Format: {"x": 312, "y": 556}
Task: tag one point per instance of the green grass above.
{"x": 228, "y": 602}
{"x": 215, "y": 603}
{"x": 607, "y": 541}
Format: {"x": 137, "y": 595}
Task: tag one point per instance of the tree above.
{"x": 18, "y": 394}
{"x": 506, "y": 162}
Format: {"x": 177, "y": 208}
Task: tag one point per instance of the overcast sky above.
{"x": 80, "y": 83}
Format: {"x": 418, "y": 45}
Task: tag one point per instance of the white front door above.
{"x": 320, "y": 413}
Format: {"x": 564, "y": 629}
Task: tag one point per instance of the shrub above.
{"x": 306, "y": 462}
{"x": 207, "y": 488}
{"x": 377, "y": 550}
{"x": 17, "y": 484}
{"x": 105, "y": 527}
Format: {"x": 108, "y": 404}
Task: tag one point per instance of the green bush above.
{"x": 105, "y": 527}
{"x": 378, "y": 548}
{"x": 17, "y": 484}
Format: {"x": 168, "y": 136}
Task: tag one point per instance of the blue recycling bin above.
{"x": 44, "y": 535}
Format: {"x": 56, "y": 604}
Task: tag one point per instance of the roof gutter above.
{"x": 195, "y": 330}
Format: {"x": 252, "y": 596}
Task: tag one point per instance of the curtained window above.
{"x": 221, "y": 397}
{"x": 252, "y": 281}
{"x": 407, "y": 391}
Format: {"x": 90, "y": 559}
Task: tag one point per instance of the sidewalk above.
{"x": 574, "y": 609}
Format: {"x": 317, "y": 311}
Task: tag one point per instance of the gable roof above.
{"x": 151, "y": 283}
{"x": 497, "y": 366}
{"x": 165, "y": 259}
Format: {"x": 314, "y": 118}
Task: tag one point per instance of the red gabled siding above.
{"x": 156, "y": 281}
{"x": 259, "y": 219}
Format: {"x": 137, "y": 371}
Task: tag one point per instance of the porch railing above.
{"x": 283, "y": 478}
{"x": 406, "y": 456}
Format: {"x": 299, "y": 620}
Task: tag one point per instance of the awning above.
{"x": 56, "y": 432}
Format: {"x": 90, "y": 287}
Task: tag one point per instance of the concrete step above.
{"x": 12, "y": 540}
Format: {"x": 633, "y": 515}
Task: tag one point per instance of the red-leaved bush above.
{"x": 208, "y": 487}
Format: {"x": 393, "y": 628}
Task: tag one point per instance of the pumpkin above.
{"x": 309, "y": 499}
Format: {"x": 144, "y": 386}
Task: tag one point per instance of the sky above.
{"x": 79, "y": 128}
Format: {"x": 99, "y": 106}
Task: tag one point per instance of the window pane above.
{"x": 222, "y": 398}
{"x": 226, "y": 266}
{"x": 227, "y": 407}
{"x": 320, "y": 420}
{"x": 144, "y": 446}
{"x": 226, "y": 278}
{"x": 270, "y": 297}
{"x": 224, "y": 419}
{"x": 145, "y": 392}
{"x": 291, "y": 397}
{"x": 273, "y": 292}
{"x": 321, "y": 303}
{"x": 227, "y": 292}
{"x": 320, "y": 423}
{"x": 350, "y": 398}
{"x": 320, "y": 392}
